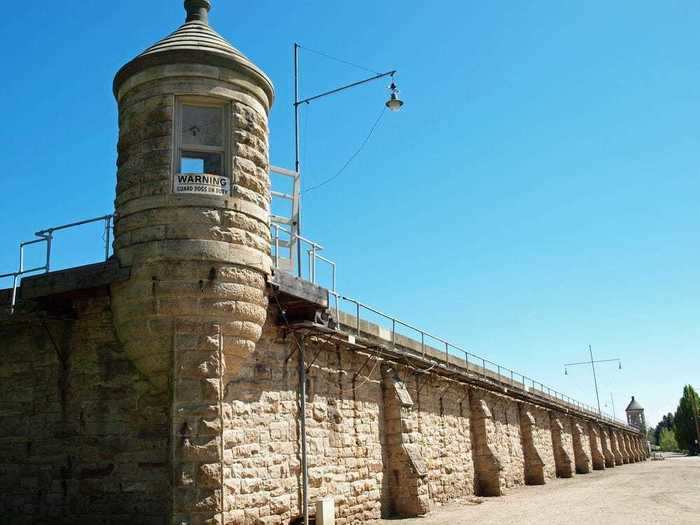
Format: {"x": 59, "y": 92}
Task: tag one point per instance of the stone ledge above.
{"x": 73, "y": 280}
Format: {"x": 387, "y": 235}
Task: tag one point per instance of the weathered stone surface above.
{"x": 616, "y": 447}
{"x": 607, "y": 447}
{"x": 84, "y": 434}
{"x": 405, "y": 466}
{"x": 538, "y": 448}
{"x": 582, "y": 446}
{"x": 194, "y": 307}
{"x": 563, "y": 445}
{"x": 443, "y": 424}
{"x": 236, "y": 438}
{"x": 496, "y": 443}
{"x": 597, "y": 457}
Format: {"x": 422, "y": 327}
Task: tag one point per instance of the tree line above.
{"x": 680, "y": 430}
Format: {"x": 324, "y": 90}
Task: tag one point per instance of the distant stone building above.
{"x": 635, "y": 414}
{"x": 187, "y": 381}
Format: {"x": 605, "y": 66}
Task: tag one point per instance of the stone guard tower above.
{"x": 192, "y": 208}
{"x": 635, "y": 414}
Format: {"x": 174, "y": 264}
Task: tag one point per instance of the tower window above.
{"x": 201, "y": 145}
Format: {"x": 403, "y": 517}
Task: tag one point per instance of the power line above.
{"x": 352, "y": 157}
{"x": 346, "y": 62}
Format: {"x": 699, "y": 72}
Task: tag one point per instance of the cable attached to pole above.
{"x": 352, "y": 157}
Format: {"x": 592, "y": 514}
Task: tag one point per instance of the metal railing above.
{"x": 447, "y": 353}
{"x": 46, "y": 236}
{"x": 284, "y": 240}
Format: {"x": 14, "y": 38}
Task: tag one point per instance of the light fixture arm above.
{"x": 343, "y": 88}
{"x": 592, "y": 362}
{"x": 297, "y": 132}
{"x": 596, "y": 362}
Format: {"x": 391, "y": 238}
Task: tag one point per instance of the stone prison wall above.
{"x": 86, "y": 437}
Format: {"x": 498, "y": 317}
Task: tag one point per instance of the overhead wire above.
{"x": 352, "y": 157}
{"x": 342, "y": 61}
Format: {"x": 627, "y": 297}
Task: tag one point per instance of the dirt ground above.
{"x": 664, "y": 492}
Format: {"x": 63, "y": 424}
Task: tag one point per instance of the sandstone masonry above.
{"x": 169, "y": 389}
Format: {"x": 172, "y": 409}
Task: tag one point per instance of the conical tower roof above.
{"x": 634, "y": 405}
{"x": 195, "y": 42}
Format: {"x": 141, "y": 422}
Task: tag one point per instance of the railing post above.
{"x": 21, "y": 258}
{"x": 313, "y": 263}
{"x": 108, "y": 229}
{"x": 14, "y": 294}
{"x": 357, "y": 318}
{"x": 393, "y": 332}
{"x": 447, "y": 353}
{"x": 277, "y": 245}
{"x": 337, "y": 308}
{"x": 49, "y": 238}
{"x": 311, "y": 271}
{"x": 334, "y": 283}
{"x": 422, "y": 343}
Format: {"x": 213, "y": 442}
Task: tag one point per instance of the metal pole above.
{"x": 595, "y": 380}
{"x": 311, "y": 266}
{"x": 21, "y": 258}
{"x": 612, "y": 402}
{"x": 14, "y": 294}
{"x": 313, "y": 263}
{"x": 49, "y": 237}
{"x": 302, "y": 423}
{"x": 297, "y": 160}
{"x": 108, "y": 222}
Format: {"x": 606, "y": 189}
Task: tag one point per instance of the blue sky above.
{"x": 538, "y": 193}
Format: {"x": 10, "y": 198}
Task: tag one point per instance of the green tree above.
{"x": 665, "y": 423}
{"x": 685, "y": 421}
{"x": 668, "y": 441}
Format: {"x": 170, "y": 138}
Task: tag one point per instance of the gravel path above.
{"x": 663, "y": 492}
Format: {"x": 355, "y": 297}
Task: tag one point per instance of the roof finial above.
{"x": 197, "y": 10}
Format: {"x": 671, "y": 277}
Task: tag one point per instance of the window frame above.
{"x": 179, "y": 147}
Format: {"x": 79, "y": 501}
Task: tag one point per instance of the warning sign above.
{"x": 202, "y": 184}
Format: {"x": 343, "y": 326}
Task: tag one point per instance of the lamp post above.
{"x": 593, "y": 362}
{"x": 612, "y": 402}
{"x": 394, "y": 104}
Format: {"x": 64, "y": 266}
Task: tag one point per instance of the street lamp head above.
{"x": 394, "y": 103}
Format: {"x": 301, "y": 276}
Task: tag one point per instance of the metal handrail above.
{"x": 511, "y": 377}
{"x": 313, "y": 253}
{"x": 46, "y": 236}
